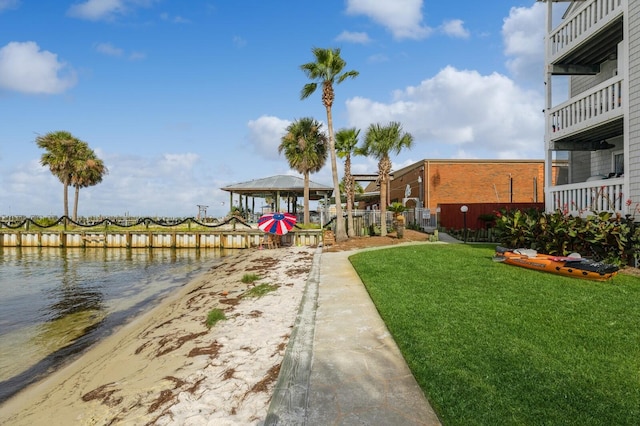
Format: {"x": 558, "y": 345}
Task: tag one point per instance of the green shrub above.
{"x": 260, "y": 290}
{"x": 602, "y": 236}
{"x": 249, "y": 278}
{"x": 214, "y": 316}
{"x": 397, "y": 207}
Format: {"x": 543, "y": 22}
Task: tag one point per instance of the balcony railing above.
{"x": 591, "y": 17}
{"x": 594, "y": 106}
{"x": 596, "y": 196}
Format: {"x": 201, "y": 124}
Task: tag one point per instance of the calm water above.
{"x": 54, "y": 303}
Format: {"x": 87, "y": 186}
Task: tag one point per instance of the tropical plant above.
{"x": 379, "y": 142}
{"x": 72, "y": 162}
{"x": 346, "y": 145}
{"x": 602, "y": 236}
{"x": 88, "y": 171}
{"x": 327, "y": 70}
{"x": 397, "y": 207}
{"x": 61, "y": 155}
{"x": 305, "y": 147}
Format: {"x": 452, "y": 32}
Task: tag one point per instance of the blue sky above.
{"x": 181, "y": 98}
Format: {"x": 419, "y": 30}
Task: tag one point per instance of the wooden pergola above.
{"x": 277, "y": 187}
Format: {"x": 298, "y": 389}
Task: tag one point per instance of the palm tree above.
{"x": 305, "y": 147}
{"x": 379, "y": 141}
{"x": 89, "y": 171}
{"x": 346, "y": 144}
{"x": 61, "y": 148}
{"x": 327, "y": 69}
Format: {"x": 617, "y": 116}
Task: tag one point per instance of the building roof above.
{"x": 286, "y": 185}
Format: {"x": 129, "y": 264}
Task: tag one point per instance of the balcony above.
{"x": 593, "y": 16}
{"x": 585, "y": 197}
{"x": 596, "y": 106}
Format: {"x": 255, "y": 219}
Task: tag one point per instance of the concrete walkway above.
{"x": 342, "y": 366}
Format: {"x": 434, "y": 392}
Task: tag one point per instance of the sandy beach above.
{"x": 167, "y": 367}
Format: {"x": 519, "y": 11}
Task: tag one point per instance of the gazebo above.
{"x": 277, "y": 187}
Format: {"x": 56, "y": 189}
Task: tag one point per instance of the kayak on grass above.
{"x": 573, "y": 265}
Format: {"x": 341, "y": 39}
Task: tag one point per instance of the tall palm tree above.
{"x": 305, "y": 147}
{"x": 89, "y": 171}
{"x": 61, "y": 148}
{"x": 327, "y": 69}
{"x": 379, "y": 141}
{"x": 346, "y": 145}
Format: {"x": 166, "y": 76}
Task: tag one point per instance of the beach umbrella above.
{"x": 277, "y": 223}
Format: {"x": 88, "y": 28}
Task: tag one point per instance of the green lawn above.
{"x": 494, "y": 344}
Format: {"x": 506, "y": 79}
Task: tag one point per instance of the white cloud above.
{"x": 487, "y": 116}
{"x": 9, "y": 4}
{"x": 523, "y": 34}
{"x": 180, "y": 20}
{"x": 137, "y": 56}
{"x": 265, "y": 134}
{"x": 171, "y": 184}
{"x": 27, "y": 69}
{"x": 97, "y": 10}
{"x": 403, "y": 18}
{"x": 239, "y": 41}
{"x": 174, "y": 19}
{"x": 353, "y": 37}
{"x": 377, "y": 58}
{"x": 178, "y": 164}
{"x": 455, "y": 28}
{"x": 109, "y": 49}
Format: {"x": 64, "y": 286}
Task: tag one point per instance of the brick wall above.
{"x": 485, "y": 182}
{"x": 468, "y": 181}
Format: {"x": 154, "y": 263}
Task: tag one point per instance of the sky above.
{"x": 182, "y": 98}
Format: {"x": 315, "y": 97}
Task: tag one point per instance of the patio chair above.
{"x": 270, "y": 241}
{"x": 328, "y": 238}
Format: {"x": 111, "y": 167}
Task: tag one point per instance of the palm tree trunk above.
{"x": 341, "y": 234}
{"x": 75, "y": 203}
{"x": 351, "y": 232}
{"x": 383, "y": 206}
{"x": 66, "y": 198}
{"x": 306, "y": 198}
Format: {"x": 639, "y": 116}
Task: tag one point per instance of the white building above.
{"x": 596, "y": 43}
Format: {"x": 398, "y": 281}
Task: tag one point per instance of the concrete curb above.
{"x": 291, "y": 392}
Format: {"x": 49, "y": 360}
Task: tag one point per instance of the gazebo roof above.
{"x": 286, "y": 185}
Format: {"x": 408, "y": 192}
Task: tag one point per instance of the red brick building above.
{"x": 429, "y": 183}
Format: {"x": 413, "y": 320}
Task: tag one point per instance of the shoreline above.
{"x": 167, "y": 367}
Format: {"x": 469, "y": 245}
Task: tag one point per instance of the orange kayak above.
{"x": 570, "y": 266}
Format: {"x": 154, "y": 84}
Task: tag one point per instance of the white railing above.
{"x": 585, "y": 197}
{"x": 592, "y": 16}
{"x": 422, "y": 218}
{"x": 594, "y": 106}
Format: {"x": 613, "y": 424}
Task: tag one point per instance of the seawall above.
{"x": 236, "y": 239}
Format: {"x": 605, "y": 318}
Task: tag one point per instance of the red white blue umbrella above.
{"x": 277, "y": 223}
